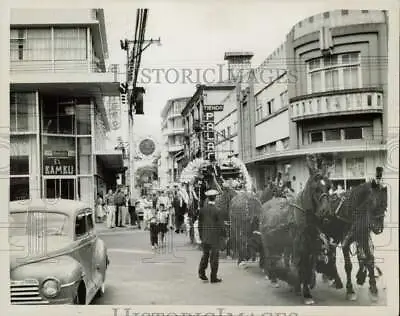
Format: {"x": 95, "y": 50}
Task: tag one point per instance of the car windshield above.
{"x": 38, "y": 223}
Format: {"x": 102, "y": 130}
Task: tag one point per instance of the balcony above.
{"x": 334, "y": 103}
{"x": 174, "y": 131}
{"x": 174, "y": 148}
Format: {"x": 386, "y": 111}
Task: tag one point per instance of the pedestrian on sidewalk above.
{"x": 120, "y": 202}
{"x": 99, "y": 208}
{"x": 153, "y": 227}
{"x": 110, "y": 209}
{"x": 163, "y": 216}
{"x": 139, "y": 210}
{"x": 131, "y": 210}
{"x": 212, "y": 231}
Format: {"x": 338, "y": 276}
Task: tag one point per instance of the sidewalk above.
{"x": 102, "y": 227}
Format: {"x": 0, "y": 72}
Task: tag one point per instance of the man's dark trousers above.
{"x": 210, "y": 253}
{"x": 117, "y": 209}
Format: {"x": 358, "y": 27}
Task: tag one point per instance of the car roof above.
{"x": 69, "y": 207}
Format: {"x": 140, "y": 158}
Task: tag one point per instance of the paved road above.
{"x": 137, "y": 275}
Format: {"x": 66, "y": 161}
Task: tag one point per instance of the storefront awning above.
{"x": 111, "y": 162}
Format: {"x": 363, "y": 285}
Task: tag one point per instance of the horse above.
{"x": 293, "y": 233}
{"x": 245, "y": 213}
{"x": 354, "y": 216}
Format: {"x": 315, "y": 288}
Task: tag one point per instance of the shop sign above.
{"x": 58, "y": 162}
{"x": 209, "y": 135}
{"x": 214, "y": 108}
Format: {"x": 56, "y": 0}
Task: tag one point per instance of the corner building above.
{"x": 58, "y": 119}
{"x": 337, "y": 99}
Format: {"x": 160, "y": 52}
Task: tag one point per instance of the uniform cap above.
{"x": 211, "y": 193}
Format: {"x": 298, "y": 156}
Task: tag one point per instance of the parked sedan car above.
{"x": 56, "y": 256}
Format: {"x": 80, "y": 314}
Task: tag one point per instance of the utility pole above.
{"x": 134, "y": 95}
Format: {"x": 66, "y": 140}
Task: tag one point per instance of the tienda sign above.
{"x": 209, "y": 135}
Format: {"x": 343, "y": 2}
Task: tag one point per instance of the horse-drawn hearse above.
{"x": 295, "y": 236}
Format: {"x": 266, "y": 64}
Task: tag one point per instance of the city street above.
{"x": 139, "y": 276}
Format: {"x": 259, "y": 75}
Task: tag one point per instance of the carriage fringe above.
{"x": 220, "y": 312}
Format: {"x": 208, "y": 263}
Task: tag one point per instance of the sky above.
{"x": 196, "y": 36}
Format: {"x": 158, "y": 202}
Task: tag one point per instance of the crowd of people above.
{"x": 157, "y": 213}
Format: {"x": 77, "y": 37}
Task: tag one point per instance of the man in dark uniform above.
{"x": 211, "y": 231}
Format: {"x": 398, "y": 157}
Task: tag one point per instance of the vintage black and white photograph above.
{"x": 210, "y": 155}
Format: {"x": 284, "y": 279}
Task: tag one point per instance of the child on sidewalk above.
{"x": 163, "y": 216}
{"x": 153, "y": 224}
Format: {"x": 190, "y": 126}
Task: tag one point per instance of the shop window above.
{"x": 353, "y": 133}
{"x": 19, "y": 188}
{"x": 332, "y": 134}
{"x": 353, "y": 183}
{"x": 316, "y": 137}
{"x": 355, "y": 168}
{"x": 19, "y": 165}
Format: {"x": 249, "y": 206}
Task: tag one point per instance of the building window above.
{"x": 23, "y": 112}
{"x": 316, "y": 136}
{"x": 332, "y": 134}
{"x": 70, "y": 44}
{"x": 270, "y": 105}
{"x": 334, "y": 72}
{"x": 58, "y": 117}
{"x": 353, "y": 133}
{"x": 30, "y": 44}
{"x": 326, "y": 15}
{"x": 355, "y": 167}
{"x": 283, "y": 97}
{"x": 19, "y": 165}
{"x": 345, "y": 12}
{"x": 19, "y": 188}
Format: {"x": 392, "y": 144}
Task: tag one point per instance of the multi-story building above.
{"x": 200, "y": 115}
{"x": 337, "y": 92}
{"x": 58, "y": 120}
{"x": 172, "y": 131}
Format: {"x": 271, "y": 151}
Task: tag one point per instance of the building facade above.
{"x": 200, "y": 116}
{"x": 336, "y": 100}
{"x": 58, "y": 117}
{"x": 172, "y": 131}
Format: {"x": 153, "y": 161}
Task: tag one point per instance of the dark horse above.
{"x": 293, "y": 234}
{"x": 353, "y": 217}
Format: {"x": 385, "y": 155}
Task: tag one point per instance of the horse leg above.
{"x": 350, "y": 294}
{"x": 370, "y": 263}
{"x": 337, "y": 283}
{"x": 306, "y": 277}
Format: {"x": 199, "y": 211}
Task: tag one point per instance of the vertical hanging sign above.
{"x": 208, "y": 135}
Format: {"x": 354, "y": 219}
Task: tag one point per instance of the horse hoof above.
{"x": 309, "y": 301}
{"x": 351, "y": 296}
{"x": 374, "y": 297}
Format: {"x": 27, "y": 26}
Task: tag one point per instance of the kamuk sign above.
{"x": 58, "y": 162}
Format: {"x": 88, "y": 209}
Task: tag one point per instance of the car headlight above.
{"x": 51, "y": 287}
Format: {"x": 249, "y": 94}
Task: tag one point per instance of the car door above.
{"x": 84, "y": 245}
{"x": 93, "y": 263}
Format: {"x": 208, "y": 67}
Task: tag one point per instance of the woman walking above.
{"x": 163, "y": 216}
{"x": 99, "y": 208}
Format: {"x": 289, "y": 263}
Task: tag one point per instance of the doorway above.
{"x": 60, "y": 189}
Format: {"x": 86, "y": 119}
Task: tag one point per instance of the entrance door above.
{"x": 60, "y": 189}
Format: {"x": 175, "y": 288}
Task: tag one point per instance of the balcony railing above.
{"x": 174, "y": 148}
{"x": 174, "y": 131}
{"x": 342, "y": 102}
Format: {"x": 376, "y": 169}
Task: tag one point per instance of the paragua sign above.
{"x": 209, "y": 135}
